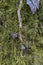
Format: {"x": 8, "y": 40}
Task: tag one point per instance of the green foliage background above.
{"x": 32, "y": 30}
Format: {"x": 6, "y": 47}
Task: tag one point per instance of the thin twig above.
{"x": 20, "y": 20}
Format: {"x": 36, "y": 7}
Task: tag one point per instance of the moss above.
{"x": 32, "y": 31}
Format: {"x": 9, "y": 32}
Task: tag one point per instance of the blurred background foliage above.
{"x": 32, "y": 31}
